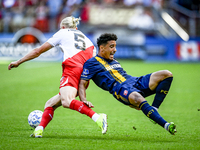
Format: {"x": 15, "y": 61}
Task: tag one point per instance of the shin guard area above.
{"x": 81, "y": 107}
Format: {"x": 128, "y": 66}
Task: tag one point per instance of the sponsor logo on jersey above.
{"x": 115, "y": 66}
{"x": 125, "y": 92}
{"x": 85, "y": 71}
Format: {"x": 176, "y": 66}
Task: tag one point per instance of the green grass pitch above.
{"x": 28, "y": 87}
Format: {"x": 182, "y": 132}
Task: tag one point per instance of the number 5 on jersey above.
{"x": 80, "y": 43}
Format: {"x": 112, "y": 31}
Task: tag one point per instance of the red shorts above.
{"x": 73, "y": 67}
{"x": 71, "y": 77}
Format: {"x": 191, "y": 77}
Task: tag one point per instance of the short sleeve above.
{"x": 55, "y": 39}
{"x": 88, "y": 70}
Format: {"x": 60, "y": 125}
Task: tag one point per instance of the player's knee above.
{"x": 167, "y": 73}
{"x": 135, "y": 98}
{"x": 49, "y": 103}
{"x": 53, "y": 102}
{"x": 65, "y": 103}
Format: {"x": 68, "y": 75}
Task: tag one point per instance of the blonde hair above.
{"x": 70, "y": 22}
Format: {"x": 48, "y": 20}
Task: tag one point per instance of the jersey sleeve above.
{"x": 55, "y": 39}
{"x": 88, "y": 70}
{"x": 94, "y": 51}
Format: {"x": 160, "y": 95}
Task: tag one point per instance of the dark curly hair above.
{"x": 104, "y": 38}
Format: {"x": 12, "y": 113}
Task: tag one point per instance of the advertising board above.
{"x": 16, "y": 46}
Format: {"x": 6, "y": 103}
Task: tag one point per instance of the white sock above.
{"x": 166, "y": 126}
{"x": 39, "y": 128}
{"x": 95, "y": 117}
{"x": 155, "y": 108}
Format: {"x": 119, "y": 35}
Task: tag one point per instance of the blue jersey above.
{"x": 104, "y": 73}
{"x": 110, "y": 76}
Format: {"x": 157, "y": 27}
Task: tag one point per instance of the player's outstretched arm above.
{"x": 82, "y": 93}
{"x": 31, "y": 55}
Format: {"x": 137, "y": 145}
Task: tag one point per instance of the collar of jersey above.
{"x": 108, "y": 60}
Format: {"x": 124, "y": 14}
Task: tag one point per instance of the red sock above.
{"x": 82, "y": 108}
{"x": 47, "y": 116}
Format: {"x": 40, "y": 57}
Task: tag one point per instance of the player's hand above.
{"x": 89, "y": 104}
{"x": 14, "y": 64}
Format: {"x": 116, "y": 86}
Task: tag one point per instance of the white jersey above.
{"x": 71, "y": 42}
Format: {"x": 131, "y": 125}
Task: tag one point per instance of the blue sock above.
{"x": 150, "y": 112}
{"x": 161, "y": 91}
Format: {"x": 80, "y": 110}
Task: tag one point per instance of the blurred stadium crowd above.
{"x": 45, "y": 15}
{"x": 161, "y": 30}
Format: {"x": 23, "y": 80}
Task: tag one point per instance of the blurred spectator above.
{"x": 18, "y": 15}
{"x": 17, "y": 20}
{"x": 1, "y": 20}
{"x": 132, "y": 2}
{"x": 46, "y": 14}
{"x": 71, "y": 8}
{"x": 7, "y": 14}
{"x": 42, "y": 17}
{"x": 108, "y": 2}
{"x": 155, "y": 3}
{"x": 8, "y": 3}
{"x": 141, "y": 19}
{"x": 54, "y": 10}
{"x": 7, "y": 18}
{"x": 85, "y": 13}
{"x": 31, "y": 2}
{"x": 30, "y": 16}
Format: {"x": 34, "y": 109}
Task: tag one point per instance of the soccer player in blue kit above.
{"x": 108, "y": 74}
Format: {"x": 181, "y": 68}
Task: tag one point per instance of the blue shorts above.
{"x": 133, "y": 84}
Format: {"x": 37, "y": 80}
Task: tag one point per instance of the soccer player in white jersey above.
{"x": 77, "y": 48}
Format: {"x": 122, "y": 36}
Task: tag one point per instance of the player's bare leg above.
{"x": 54, "y": 102}
{"x": 47, "y": 116}
{"x": 67, "y": 94}
{"x": 68, "y": 100}
{"x": 157, "y": 77}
